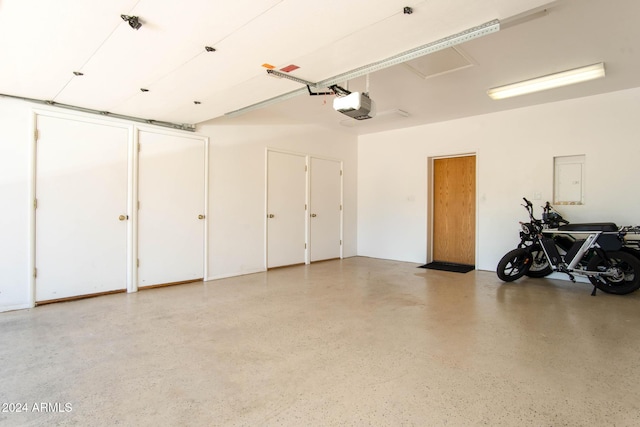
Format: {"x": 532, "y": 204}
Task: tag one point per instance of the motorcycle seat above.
{"x": 591, "y": 226}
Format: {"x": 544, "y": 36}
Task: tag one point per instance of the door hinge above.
{"x": 138, "y": 262}
{"x": 138, "y": 147}
{"x": 340, "y": 242}
{"x": 305, "y": 168}
{"x": 340, "y": 172}
{"x": 35, "y": 272}
{"x": 138, "y": 205}
{"x": 340, "y": 207}
{"x": 35, "y": 203}
{"x": 36, "y": 135}
{"x": 305, "y": 206}
{"x": 305, "y": 246}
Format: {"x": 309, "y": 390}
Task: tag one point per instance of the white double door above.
{"x": 84, "y": 229}
{"x": 303, "y": 209}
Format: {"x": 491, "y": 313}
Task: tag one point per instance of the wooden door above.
{"x": 325, "y": 209}
{"x": 81, "y": 215}
{"x": 286, "y": 209}
{"x": 171, "y": 215}
{"x": 454, "y": 210}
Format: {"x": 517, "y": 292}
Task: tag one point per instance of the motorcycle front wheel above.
{"x": 625, "y": 270}
{"x": 540, "y": 266}
{"x": 514, "y": 265}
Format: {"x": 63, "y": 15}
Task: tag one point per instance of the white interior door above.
{"x": 171, "y": 192}
{"x": 286, "y": 214}
{"x": 325, "y": 209}
{"x": 81, "y": 215}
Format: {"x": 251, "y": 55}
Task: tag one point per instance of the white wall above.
{"x": 15, "y": 125}
{"x": 515, "y": 151}
{"x": 237, "y": 188}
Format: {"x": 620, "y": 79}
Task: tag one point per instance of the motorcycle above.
{"x": 599, "y": 252}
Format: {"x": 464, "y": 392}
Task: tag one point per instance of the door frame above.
{"x": 431, "y": 199}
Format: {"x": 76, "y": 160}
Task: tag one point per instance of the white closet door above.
{"x": 171, "y": 219}
{"x": 286, "y": 193}
{"x": 81, "y": 215}
{"x": 325, "y": 209}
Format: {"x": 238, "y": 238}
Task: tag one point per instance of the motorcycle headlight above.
{"x": 526, "y": 228}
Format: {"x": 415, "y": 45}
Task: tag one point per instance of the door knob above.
{"x": 313, "y": 215}
{"x": 271, "y": 216}
{"x": 123, "y": 217}
{"x": 200, "y": 216}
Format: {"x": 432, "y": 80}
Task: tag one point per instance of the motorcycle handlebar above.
{"x": 527, "y": 202}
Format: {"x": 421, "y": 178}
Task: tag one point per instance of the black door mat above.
{"x": 449, "y": 266}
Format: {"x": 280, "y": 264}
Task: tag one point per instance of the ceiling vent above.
{"x": 439, "y": 62}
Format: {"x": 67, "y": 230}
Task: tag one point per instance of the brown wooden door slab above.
{"x": 454, "y": 210}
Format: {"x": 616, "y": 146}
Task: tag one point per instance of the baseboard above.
{"x": 243, "y": 273}
{"x": 15, "y": 307}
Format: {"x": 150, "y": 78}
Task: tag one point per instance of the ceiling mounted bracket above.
{"x": 339, "y": 90}
{"x": 133, "y": 21}
{"x": 318, "y": 93}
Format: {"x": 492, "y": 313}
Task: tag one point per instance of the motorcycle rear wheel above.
{"x": 514, "y": 265}
{"x": 626, "y": 267}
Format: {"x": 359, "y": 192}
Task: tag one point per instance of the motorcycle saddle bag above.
{"x": 591, "y": 226}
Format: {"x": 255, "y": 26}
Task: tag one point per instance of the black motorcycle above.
{"x": 597, "y": 251}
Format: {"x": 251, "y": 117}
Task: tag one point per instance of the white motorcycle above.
{"x": 597, "y": 251}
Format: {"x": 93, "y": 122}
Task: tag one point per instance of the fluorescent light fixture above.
{"x": 550, "y": 81}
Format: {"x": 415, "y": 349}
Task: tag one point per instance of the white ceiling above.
{"x": 43, "y": 42}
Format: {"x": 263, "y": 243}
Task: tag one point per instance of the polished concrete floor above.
{"x": 355, "y": 342}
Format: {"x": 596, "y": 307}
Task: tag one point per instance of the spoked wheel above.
{"x": 623, "y": 271}
{"x": 514, "y": 265}
{"x": 540, "y": 266}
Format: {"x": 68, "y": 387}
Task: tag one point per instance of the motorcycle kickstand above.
{"x": 573, "y": 279}
{"x": 571, "y": 276}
